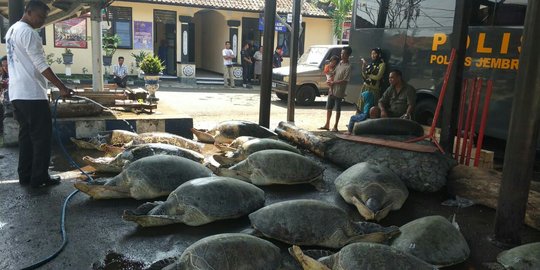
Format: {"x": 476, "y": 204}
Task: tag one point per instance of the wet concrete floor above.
{"x": 100, "y": 239}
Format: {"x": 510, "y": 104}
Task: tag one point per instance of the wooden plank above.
{"x": 392, "y": 144}
{"x": 483, "y": 187}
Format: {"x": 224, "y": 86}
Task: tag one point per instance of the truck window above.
{"x": 489, "y": 13}
{"x": 404, "y": 13}
{"x": 367, "y": 13}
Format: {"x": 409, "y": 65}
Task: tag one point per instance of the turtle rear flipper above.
{"x": 161, "y": 264}
{"x": 307, "y": 262}
{"x": 203, "y": 136}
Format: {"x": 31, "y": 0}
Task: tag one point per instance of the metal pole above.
{"x": 294, "y": 60}
{"x": 16, "y": 11}
{"x": 266, "y": 75}
{"x": 523, "y": 134}
{"x": 451, "y": 99}
{"x": 97, "y": 58}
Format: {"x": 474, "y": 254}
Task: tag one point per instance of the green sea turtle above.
{"x": 362, "y": 256}
{"x": 251, "y": 146}
{"x": 523, "y": 257}
{"x": 200, "y": 201}
{"x": 168, "y": 138}
{"x": 373, "y": 189}
{"x": 146, "y": 178}
{"x": 227, "y": 131}
{"x": 434, "y": 240}
{"x": 115, "y": 137}
{"x": 268, "y": 167}
{"x": 312, "y": 222}
{"x": 388, "y": 126}
{"x": 116, "y": 164}
{"x": 228, "y": 251}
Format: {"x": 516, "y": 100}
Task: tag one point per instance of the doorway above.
{"x": 251, "y": 32}
{"x": 165, "y": 39}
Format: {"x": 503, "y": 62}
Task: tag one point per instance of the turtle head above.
{"x": 373, "y": 204}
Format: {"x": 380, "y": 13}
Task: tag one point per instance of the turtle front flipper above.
{"x": 371, "y": 232}
{"x": 203, "y": 136}
{"x": 82, "y": 144}
{"x": 100, "y": 191}
{"x": 103, "y": 164}
{"x": 367, "y": 213}
{"x": 225, "y": 161}
{"x": 149, "y": 220}
{"x": 305, "y": 261}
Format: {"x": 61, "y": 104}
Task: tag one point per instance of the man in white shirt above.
{"x": 28, "y": 69}
{"x": 228, "y": 56}
{"x": 120, "y": 73}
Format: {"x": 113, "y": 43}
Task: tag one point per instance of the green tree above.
{"x": 339, "y": 11}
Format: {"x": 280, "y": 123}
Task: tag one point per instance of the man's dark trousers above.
{"x": 122, "y": 82}
{"x": 35, "y": 132}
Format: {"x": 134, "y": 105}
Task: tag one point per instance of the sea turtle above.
{"x": 168, "y": 138}
{"x": 362, "y": 256}
{"x": 312, "y": 222}
{"x": 269, "y": 167}
{"x": 252, "y": 146}
{"x": 434, "y": 240}
{"x": 146, "y": 178}
{"x": 373, "y": 189}
{"x": 200, "y": 201}
{"x": 228, "y": 251}
{"x": 115, "y": 137}
{"x": 522, "y": 257}
{"x": 388, "y": 126}
{"x": 116, "y": 164}
{"x": 227, "y": 131}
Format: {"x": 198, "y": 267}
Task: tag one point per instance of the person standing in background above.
{"x": 228, "y": 56}
{"x": 338, "y": 86}
{"x": 278, "y": 57}
{"x": 246, "y": 65}
{"x": 257, "y": 57}
{"x": 372, "y": 75}
{"x": 28, "y": 69}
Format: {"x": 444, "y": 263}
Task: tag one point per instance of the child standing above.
{"x": 330, "y": 71}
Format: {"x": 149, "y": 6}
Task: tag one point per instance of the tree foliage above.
{"x": 339, "y": 11}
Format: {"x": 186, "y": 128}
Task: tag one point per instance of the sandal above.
{"x": 335, "y": 130}
{"x": 323, "y": 128}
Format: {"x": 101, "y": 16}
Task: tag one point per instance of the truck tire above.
{"x": 305, "y": 95}
{"x": 425, "y": 111}
{"x": 282, "y": 96}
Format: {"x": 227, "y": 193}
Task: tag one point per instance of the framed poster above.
{"x": 70, "y": 33}
{"x": 143, "y": 35}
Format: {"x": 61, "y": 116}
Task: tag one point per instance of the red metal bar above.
{"x": 439, "y": 105}
{"x": 443, "y": 92}
{"x": 460, "y": 119}
{"x": 467, "y": 125}
{"x": 473, "y": 123}
{"x": 485, "y": 110}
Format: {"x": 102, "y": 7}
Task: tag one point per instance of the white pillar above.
{"x": 97, "y": 71}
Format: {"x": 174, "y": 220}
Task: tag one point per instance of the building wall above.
{"x": 211, "y": 33}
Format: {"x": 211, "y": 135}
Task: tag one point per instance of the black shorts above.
{"x": 332, "y": 102}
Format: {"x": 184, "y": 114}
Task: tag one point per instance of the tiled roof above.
{"x": 282, "y": 6}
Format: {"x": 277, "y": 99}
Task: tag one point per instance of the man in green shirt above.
{"x": 399, "y": 98}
